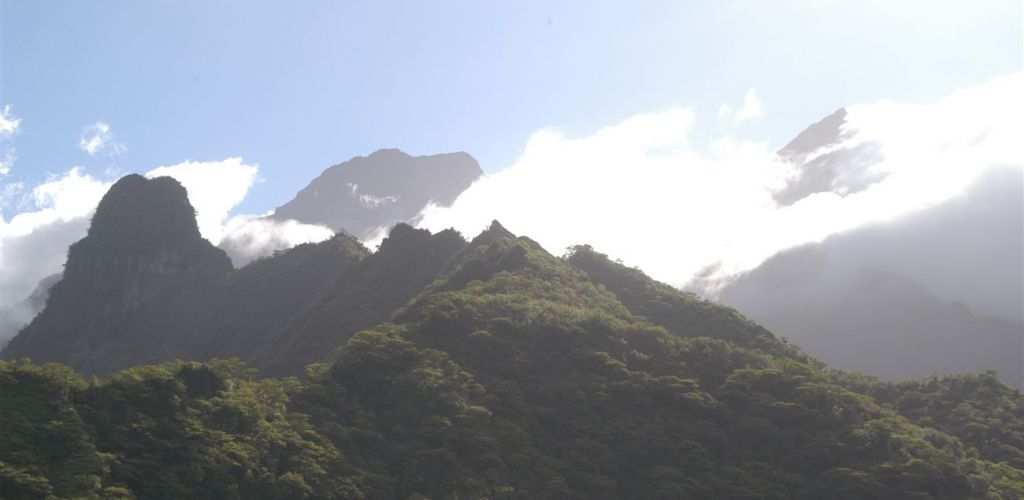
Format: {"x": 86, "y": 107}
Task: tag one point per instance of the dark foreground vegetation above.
{"x": 517, "y": 374}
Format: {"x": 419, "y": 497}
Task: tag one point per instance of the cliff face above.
{"x": 142, "y": 250}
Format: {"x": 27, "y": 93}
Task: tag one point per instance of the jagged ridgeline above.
{"x": 143, "y": 287}
{"x": 437, "y": 368}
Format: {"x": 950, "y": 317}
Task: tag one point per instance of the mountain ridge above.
{"x": 441, "y": 368}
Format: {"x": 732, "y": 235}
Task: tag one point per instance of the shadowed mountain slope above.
{"x": 143, "y": 288}
{"x": 142, "y": 250}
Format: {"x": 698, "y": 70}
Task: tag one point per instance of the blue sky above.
{"x": 297, "y": 86}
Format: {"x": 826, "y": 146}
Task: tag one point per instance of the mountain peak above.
{"x": 385, "y": 187}
{"x": 142, "y": 249}
{"x": 825, "y": 160}
{"x": 826, "y": 131}
{"x": 144, "y": 222}
{"x": 494, "y": 231}
{"x": 143, "y": 215}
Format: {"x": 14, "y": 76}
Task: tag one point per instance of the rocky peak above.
{"x": 145, "y": 225}
{"x": 379, "y": 190}
{"x": 142, "y": 252}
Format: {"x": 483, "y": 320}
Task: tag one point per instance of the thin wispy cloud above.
{"x": 97, "y": 138}
{"x": 6, "y": 161}
{"x": 752, "y": 109}
{"x": 11, "y": 195}
{"x": 9, "y": 125}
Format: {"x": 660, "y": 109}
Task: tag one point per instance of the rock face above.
{"x": 379, "y": 190}
{"x": 143, "y": 248}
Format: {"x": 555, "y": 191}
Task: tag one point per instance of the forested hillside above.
{"x": 516, "y": 374}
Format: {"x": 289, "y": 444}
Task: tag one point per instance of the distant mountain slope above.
{"x": 940, "y": 291}
{"x": 380, "y": 190}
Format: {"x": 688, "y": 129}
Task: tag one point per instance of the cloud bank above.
{"x": 700, "y": 214}
{"x": 248, "y": 238}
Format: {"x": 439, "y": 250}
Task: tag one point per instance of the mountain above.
{"x": 366, "y": 194}
{"x": 516, "y": 374}
{"x": 143, "y": 249}
{"x": 150, "y": 289}
{"x": 939, "y": 291}
{"x": 874, "y": 321}
{"x": 284, "y": 312}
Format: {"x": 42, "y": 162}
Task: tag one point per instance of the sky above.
{"x": 647, "y": 129}
{"x": 294, "y": 87}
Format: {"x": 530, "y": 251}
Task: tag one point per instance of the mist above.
{"x": 698, "y": 214}
{"x": 936, "y": 291}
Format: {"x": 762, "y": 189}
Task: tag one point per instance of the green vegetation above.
{"x": 983, "y": 412}
{"x": 516, "y": 374}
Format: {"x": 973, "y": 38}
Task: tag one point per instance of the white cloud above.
{"x": 97, "y": 138}
{"x": 248, "y": 238}
{"x": 752, "y": 108}
{"x": 7, "y": 161}
{"x": 214, "y": 189}
{"x": 11, "y": 195}
{"x": 9, "y": 124}
{"x": 640, "y": 192}
{"x": 371, "y": 201}
{"x": 35, "y": 241}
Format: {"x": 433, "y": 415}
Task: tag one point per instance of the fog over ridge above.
{"x": 699, "y": 215}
